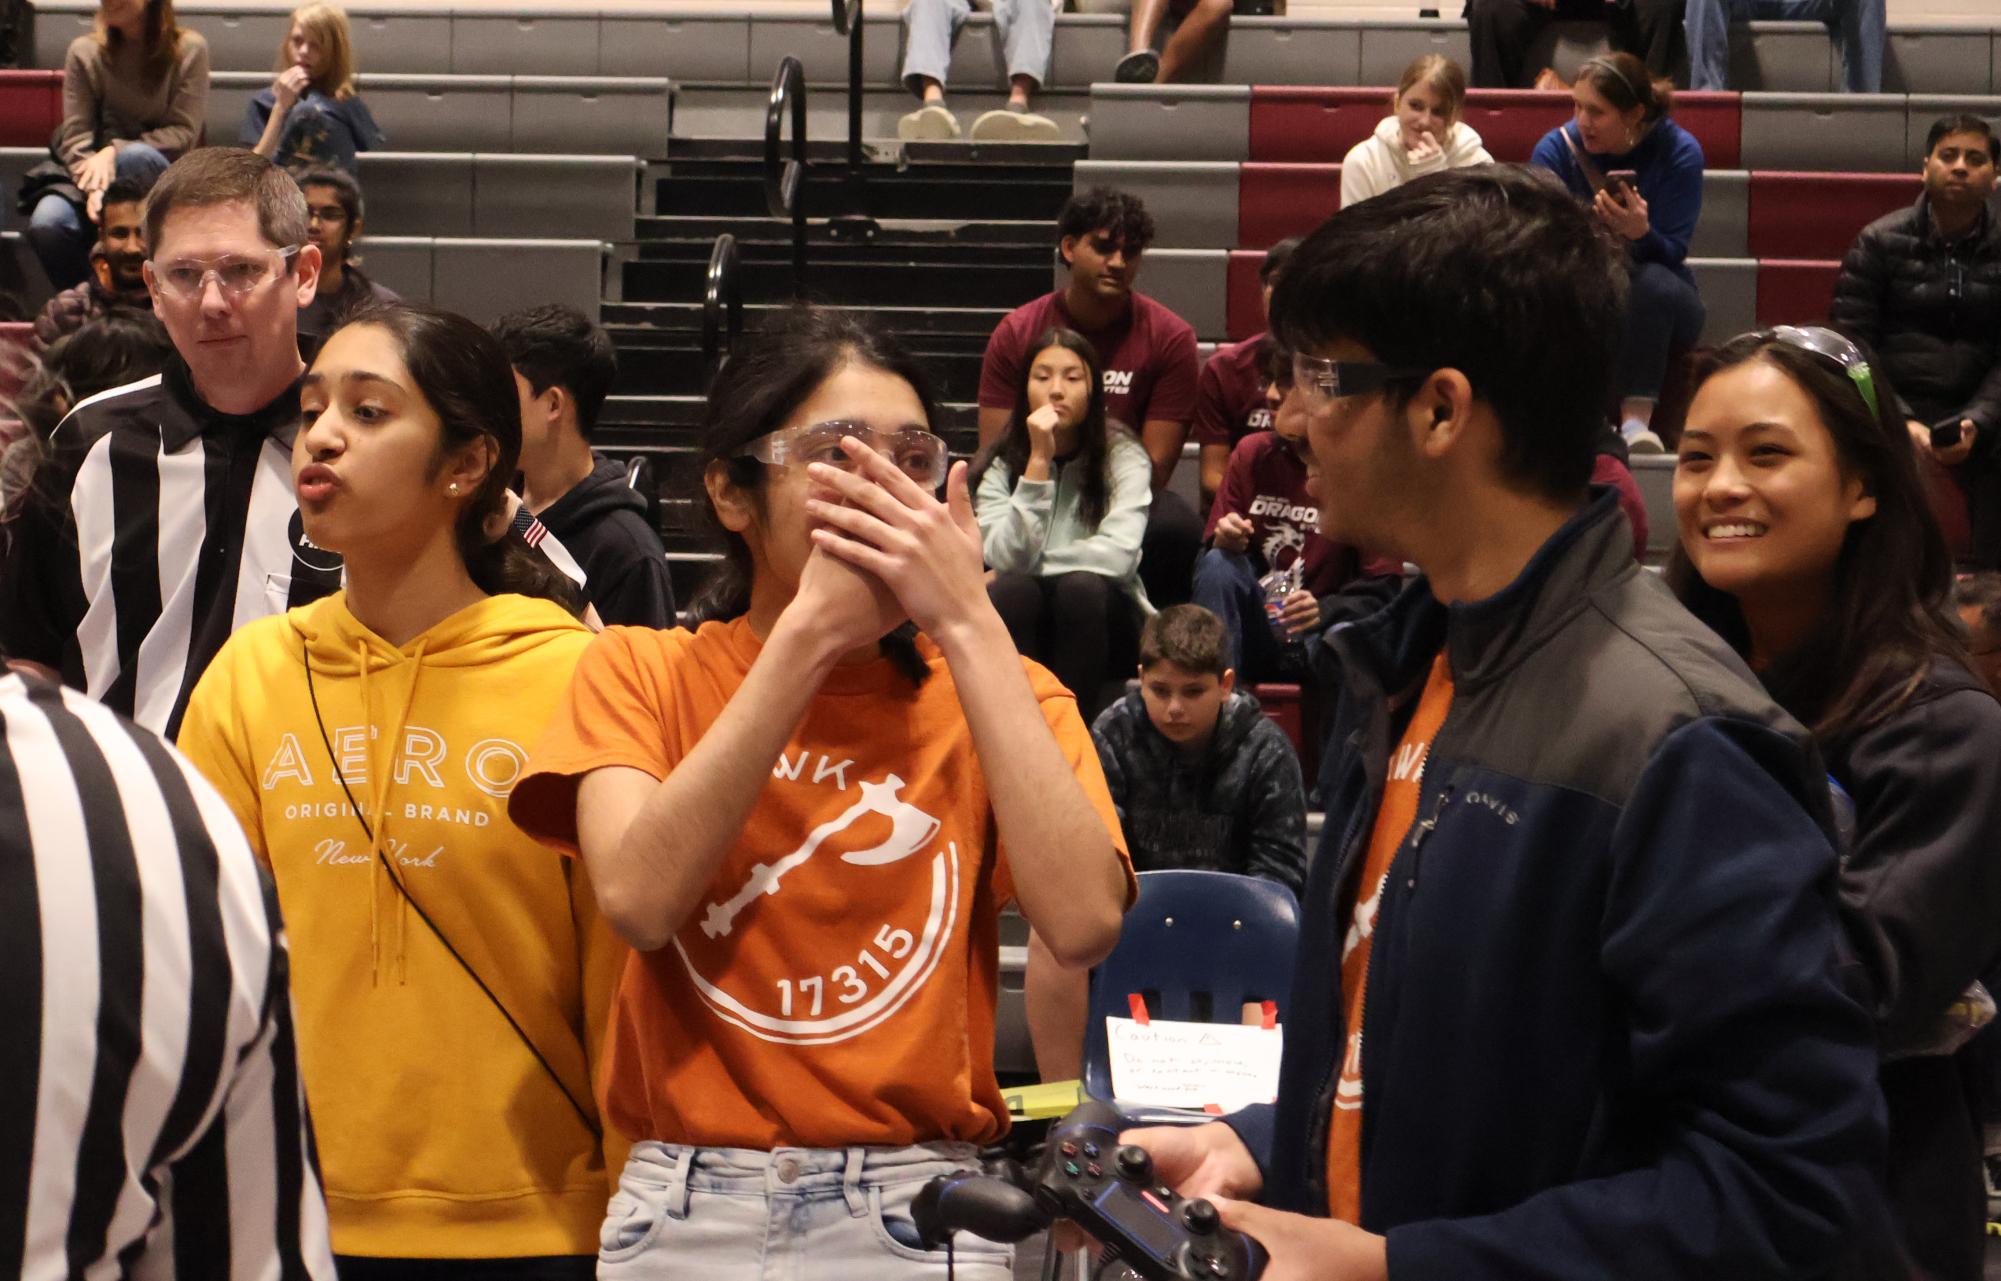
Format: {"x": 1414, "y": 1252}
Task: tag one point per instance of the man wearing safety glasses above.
{"x": 1569, "y": 1000}
{"x": 169, "y": 517}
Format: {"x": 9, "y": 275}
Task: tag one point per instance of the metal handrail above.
{"x": 722, "y": 309}
{"x": 848, "y": 22}
{"x": 785, "y": 182}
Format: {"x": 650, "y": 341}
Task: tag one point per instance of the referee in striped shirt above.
{"x": 152, "y": 1123}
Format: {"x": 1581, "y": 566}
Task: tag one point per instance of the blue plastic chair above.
{"x": 1198, "y": 946}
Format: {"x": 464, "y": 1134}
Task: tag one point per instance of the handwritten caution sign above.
{"x": 1215, "y": 1066}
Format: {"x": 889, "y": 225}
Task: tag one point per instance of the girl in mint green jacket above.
{"x": 1062, "y": 498}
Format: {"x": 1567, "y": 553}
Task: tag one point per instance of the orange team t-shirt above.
{"x": 1393, "y": 823}
{"x": 835, "y": 985}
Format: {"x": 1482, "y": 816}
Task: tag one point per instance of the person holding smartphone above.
{"x": 1922, "y": 287}
{"x": 1642, "y": 175}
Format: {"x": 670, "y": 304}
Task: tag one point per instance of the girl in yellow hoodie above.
{"x": 450, "y": 975}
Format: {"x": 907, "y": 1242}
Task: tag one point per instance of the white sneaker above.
{"x": 929, "y": 123}
{"x": 1015, "y": 126}
{"x": 1644, "y": 441}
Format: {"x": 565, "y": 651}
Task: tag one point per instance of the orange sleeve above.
{"x": 1073, "y": 737}
{"x": 610, "y": 716}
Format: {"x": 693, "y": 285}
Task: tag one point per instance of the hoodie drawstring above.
{"x": 379, "y": 806}
{"x": 379, "y": 809}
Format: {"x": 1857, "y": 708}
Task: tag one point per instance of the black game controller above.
{"x": 1108, "y": 1190}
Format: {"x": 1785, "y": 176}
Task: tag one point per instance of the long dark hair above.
{"x": 789, "y": 357}
{"x": 1891, "y": 615}
{"x": 1093, "y": 440}
{"x": 463, "y": 375}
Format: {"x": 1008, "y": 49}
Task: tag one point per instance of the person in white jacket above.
{"x": 1422, "y": 134}
{"x": 1061, "y": 497}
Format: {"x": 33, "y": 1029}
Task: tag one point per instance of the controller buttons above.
{"x": 1070, "y": 1168}
{"x": 1135, "y": 1163}
{"x": 1200, "y": 1217}
{"x": 1070, "y": 1149}
{"x": 1095, "y": 1170}
{"x": 1090, "y": 1150}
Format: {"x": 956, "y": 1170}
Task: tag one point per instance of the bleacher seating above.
{"x": 588, "y": 115}
{"x": 31, "y": 106}
{"x": 484, "y": 279}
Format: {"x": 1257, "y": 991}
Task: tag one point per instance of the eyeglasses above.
{"x": 325, "y": 213}
{"x": 1827, "y": 343}
{"x": 1322, "y": 381}
{"x": 186, "y": 278}
{"x": 916, "y": 452}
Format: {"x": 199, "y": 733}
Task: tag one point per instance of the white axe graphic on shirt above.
{"x": 909, "y": 831}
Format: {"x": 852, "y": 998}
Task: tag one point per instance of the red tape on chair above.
{"x": 1137, "y": 1004}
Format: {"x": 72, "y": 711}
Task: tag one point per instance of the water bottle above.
{"x": 1277, "y": 586}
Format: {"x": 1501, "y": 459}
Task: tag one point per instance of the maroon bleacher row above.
{"x": 31, "y": 106}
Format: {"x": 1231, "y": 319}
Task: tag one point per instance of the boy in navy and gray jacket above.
{"x": 1571, "y": 999}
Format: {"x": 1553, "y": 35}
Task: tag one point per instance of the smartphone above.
{"x": 1619, "y": 182}
{"x": 1946, "y": 433}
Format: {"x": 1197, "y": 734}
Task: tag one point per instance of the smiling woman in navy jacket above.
{"x": 1807, "y": 543}
{"x": 1642, "y": 174}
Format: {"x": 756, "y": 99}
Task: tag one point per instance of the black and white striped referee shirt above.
{"x": 152, "y": 1123}
{"x": 158, "y": 527}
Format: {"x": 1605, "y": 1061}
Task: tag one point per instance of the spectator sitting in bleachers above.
{"x": 1201, "y": 777}
{"x": 1642, "y": 173}
{"x": 117, "y": 267}
{"x": 1807, "y": 544}
{"x": 1061, "y": 496}
{"x": 1148, "y": 355}
{"x": 135, "y": 93}
{"x": 1859, "y": 29}
{"x": 311, "y": 117}
{"x": 334, "y": 212}
{"x": 1422, "y": 134}
{"x": 1503, "y": 30}
{"x": 1027, "y": 29}
{"x": 1264, "y": 540}
{"x": 1230, "y": 393}
{"x": 1922, "y": 288}
{"x": 563, "y": 367}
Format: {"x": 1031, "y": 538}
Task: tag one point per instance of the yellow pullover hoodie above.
{"x": 440, "y": 1135}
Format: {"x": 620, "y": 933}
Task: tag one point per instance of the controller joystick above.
{"x": 1200, "y": 1217}
{"x": 1135, "y": 1163}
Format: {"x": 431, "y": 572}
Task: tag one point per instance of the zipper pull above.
{"x": 1423, "y": 830}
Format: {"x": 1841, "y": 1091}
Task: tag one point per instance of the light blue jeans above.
{"x": 61, "y": 236}
{"x": 1027, "y": 31}
{"x": 792, "y": 1214}
{"x": 1858, "y": 27}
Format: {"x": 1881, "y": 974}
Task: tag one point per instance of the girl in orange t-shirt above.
{"x": 788, "y": 813}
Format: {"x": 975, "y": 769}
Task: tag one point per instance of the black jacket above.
{"x": 1921, "y": 889}
{"x": 1931, "y": 310}
{"x": 1608, "y": 1026}
{"x": 603, "y": 523}
{"x": 1240, "y": 807}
